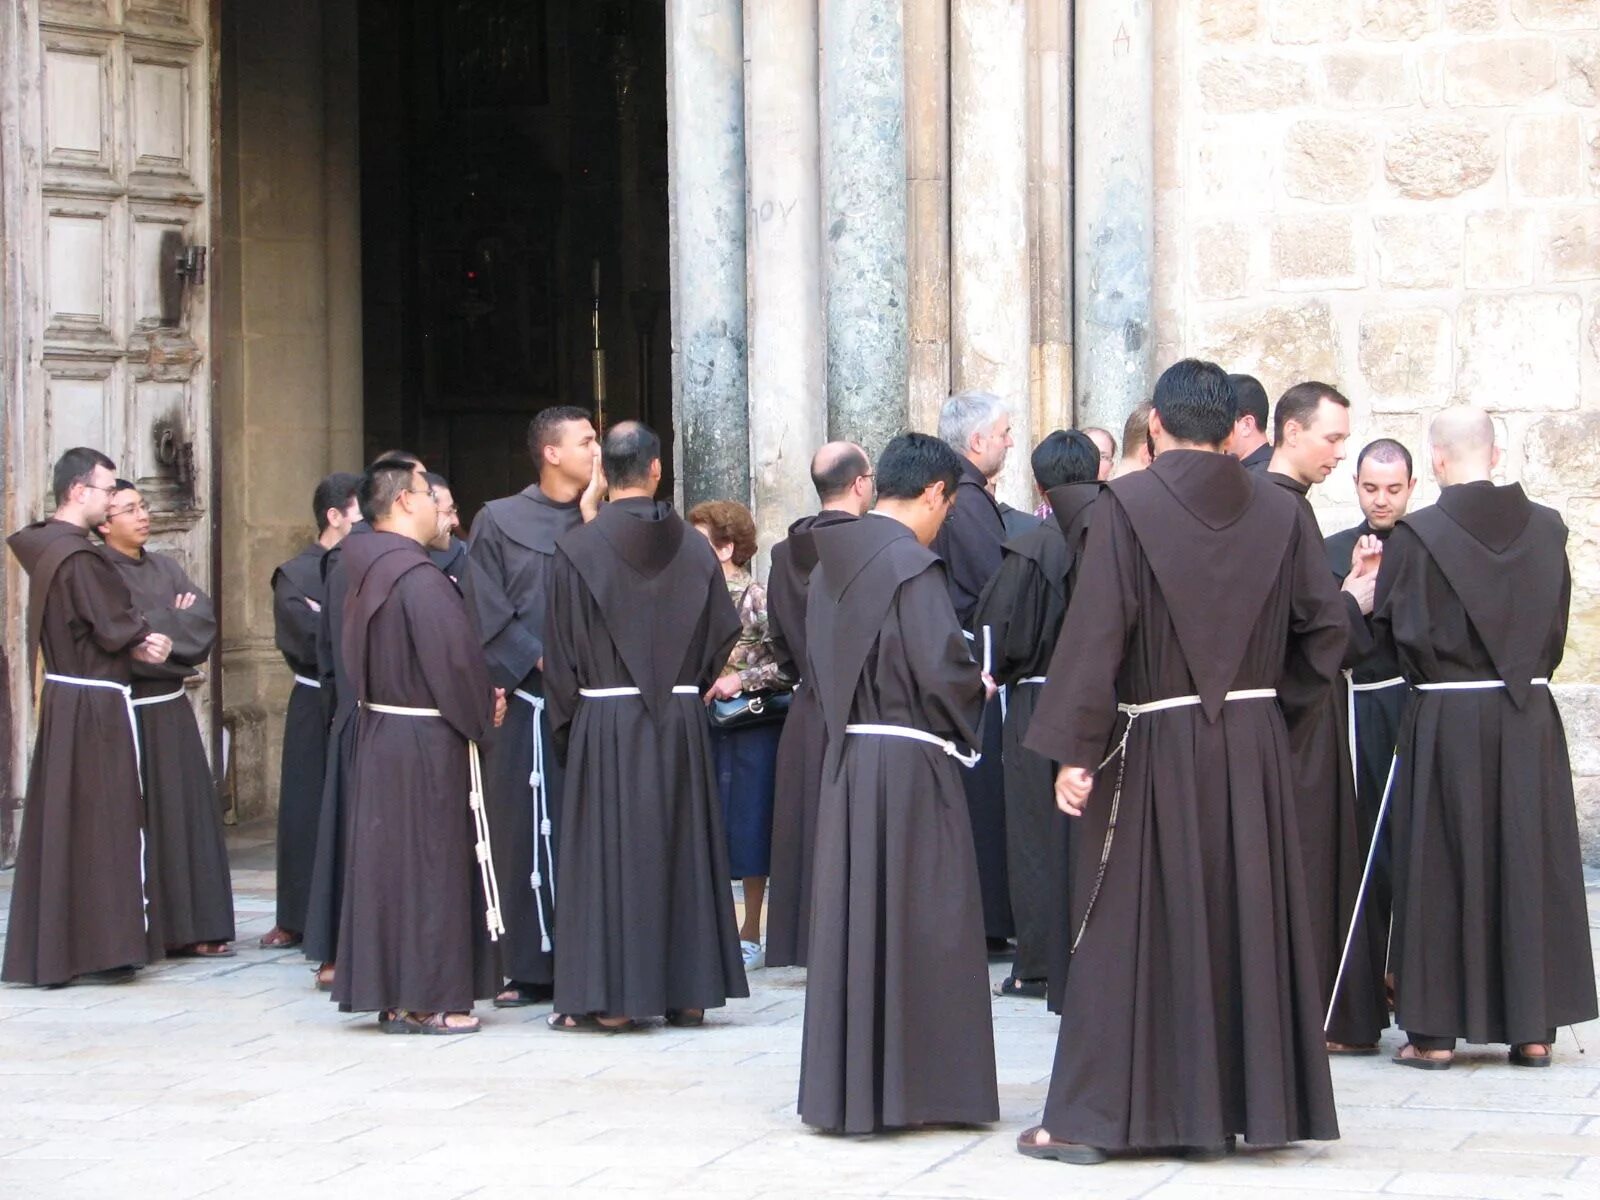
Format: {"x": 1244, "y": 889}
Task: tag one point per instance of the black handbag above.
{"x": 749, "y": 709}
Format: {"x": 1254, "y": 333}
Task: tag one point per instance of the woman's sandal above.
{"x": 1068, "y": 1152}
{"x": 587, "y": 1023}
{"x": 1418, "y": 1059}
{"x": 686, "y": 1018}
{"x": 433, "y": 1024}
{"x": 1022, "y": 989}
{"x": 1519, "y": 1056}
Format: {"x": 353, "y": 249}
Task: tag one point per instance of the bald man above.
{"x": 842, "y": 475}
{"x": 1491, "y": 938}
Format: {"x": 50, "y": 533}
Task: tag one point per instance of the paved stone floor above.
{"x": 236, "y": 1080}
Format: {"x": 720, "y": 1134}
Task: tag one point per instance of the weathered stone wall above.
{"x": 1402, "y": 197}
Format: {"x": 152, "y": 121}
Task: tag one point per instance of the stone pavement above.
{"x": 236, "y": 1080}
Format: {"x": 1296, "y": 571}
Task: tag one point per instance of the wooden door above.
{"x": 114, "y": 190}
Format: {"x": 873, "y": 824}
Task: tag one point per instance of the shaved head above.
{"x": 1461, "y": 440}
{"x": 836, "y": 467}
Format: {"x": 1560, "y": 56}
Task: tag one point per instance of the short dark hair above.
{"x": 333, "y": 492}
{"x": 730, "y": 524}
{"x": 1195, "y": 402}
{"x": 627, "y": 452}
{"x": 74, "y": 467}
{"x": 837, "y": 476}
{"x": 1249, "y": 399}
{"x": 1300, "y": 403}
{"x": 1065, "y": 456}
{"x": 436, "y": 480}
{"x": 404, "y": 456}
{"x": 1136, "y": 429}
{"x": 1386, "y": 450}
{"x": 385, "y": 480}
{"x": 913, "y": 461}
{"x": 545, "y": 428}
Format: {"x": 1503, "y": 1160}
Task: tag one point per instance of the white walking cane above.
{"x": 1361, "y": 893}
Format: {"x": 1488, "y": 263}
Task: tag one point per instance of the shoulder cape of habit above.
{"x": 373, "y": 566}
{"x": 1478, "y": 533}
{"x": 860, "y": 564}
{"x": 532, "y": 519}
{"x": 1215, "y": 587}
{"x": 788, "y": 579}
{"x": 654, "y": 602}
{"x": 41, "y": 548}
{"x": 1054, "y": 545}
{"x": 303, "y": 572}
{"x": 336, "y": 551}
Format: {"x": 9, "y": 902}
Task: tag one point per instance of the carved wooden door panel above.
{"x": 121, "y": 175}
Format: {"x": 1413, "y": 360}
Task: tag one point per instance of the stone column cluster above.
{"x": 872, "y": 207}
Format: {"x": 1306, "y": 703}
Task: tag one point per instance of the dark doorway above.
{"x": 513, "y": 186}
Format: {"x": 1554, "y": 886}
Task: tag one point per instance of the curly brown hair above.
{"x": 730, "y": 524}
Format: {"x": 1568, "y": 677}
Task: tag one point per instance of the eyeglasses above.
{"x": 138, "y": 507}
{"x": 428, "y": 492}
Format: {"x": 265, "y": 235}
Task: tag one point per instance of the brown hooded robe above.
{"x": 296, "y": 587}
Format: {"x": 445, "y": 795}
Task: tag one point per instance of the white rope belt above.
{"x": 138, "y": 765}
{"x": 682, "y": 689}
{"x": 1032, "y": 679}
{"x": 917, "y": 735}
{"x": 1351, "y": 688}
{"x": 301, "y": 679}
{"x": 1134, "y": 712}
{"x": 541, "y": 820}
{"x": 1376, "y": 685}
{"x": 141, "y": 701}
{"x": 1473, "y": 685}
{"x": 480, "y": 817}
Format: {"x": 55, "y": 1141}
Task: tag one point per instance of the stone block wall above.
{"x": 1402, "y": 198}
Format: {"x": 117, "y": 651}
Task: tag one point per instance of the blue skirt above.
{"x": 747, "y": 761}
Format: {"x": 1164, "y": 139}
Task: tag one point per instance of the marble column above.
{"x": 989, "y": 275}
{"x": 1114, "y": 202}
{"x": 1050, "y": 208}
{"x": 788, "y": 397}
{"x": 864, "y": 218}
{"x": 927, "y": 52}
{"x": 706, "y": 196}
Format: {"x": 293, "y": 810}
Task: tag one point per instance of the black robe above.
{"x": 1193, "y": 1008}
{"x": 1330, "y": 836}
{"x": 326, "y": 897}
{"x": 970, "y": 543}
{"x": 297, "y": 595}
{"x": 646, "y": 923}
{"x": 1491, "y": 932}
{"x": 897, "y": 1023}
{"x": 507, "y": 585}
{"x": 1258, "y": 460}
{"x": 77, "y": 900}
{"x": 412, "y": 932}
{"x": 186, "y": 858}
{"x": 453, "y": 561}
{"x": 1023, "y": 607}
{"x": 800, "y": 747}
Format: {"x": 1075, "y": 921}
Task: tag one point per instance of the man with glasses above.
{"x": 419, "y": 902}
{"x": 448, "y": 552}
{"x": 77, "y": 902}
{"x": 843, "y": 477}
{"x": 187, "y": 878}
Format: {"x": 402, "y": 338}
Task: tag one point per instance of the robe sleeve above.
{"x": 100, "y": 598}
{"x": 971, "y": 553}
{"x": 567, "y": 597}
{"x": 1400, "y": 610}
{"x": 1013, "y": 607}
{"x": 294, "y": 624}
{"x": 1077, "y": 707}
{"x": 327, "y": 635}
{"x": 509, "y": 638}
{"x": 949, "y": 684}
{"x": 442, "y": 638}
{"x": 193, "y": 630}
{"x": 1319, "y": 625}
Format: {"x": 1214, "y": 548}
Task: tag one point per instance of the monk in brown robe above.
{"x": 640, "y": 626}
{"x": 326, "y": 897}
{"x": 507, "y": 585}
{"x": 977, "y": 426}
{"x": 1491, "y": 932}
{"x": 842, "y": 475}
{"x": 897, "y": 1024}
{"x": 187, "y": 877}
{"x": 77, "y": 901}
{"x": 414, "y": 935}
{"x": 297, "y": 595}
{"x": 1020, "y": 613}
{"x": 1311, "y": 431}
{"x": 1203, "y": 612}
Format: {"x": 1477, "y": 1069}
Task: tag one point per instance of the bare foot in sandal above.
{"x": 1424, "y": 1060}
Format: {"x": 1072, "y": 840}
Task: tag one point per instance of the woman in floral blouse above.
{"x": 746, "y": 758}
